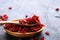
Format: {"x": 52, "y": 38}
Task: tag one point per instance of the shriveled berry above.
{"x": 47, "y": 33}
{"x": 10, "y": 8}
{"x": 57, "y": 9}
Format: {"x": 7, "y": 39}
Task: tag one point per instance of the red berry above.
{"x": 47, "y": 33}
{"x": 57, "y": 9}
{"x": 42, "y": 38}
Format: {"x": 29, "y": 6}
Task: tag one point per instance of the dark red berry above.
{"x": 57, "y": 9}
{"x": 10, "y": 8}
{"x": 47, "y": 33}
{"x": 42, "y": 38}
{"x": 26, "y": 16}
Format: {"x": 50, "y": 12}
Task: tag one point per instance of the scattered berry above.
{"x": 47, "y": 33}
{"x": 57, "y": 9}
{"x": 10, "y": 8}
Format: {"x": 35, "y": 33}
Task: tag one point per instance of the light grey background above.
{"x": 45, "y": 9}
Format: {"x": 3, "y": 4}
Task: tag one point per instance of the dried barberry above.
{"x": 57, "y": 9}
{"x": 10, "y": 8}
{"x": 47, "y": 33}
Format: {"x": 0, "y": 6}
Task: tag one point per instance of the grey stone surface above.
{"x": 45, "y": 9}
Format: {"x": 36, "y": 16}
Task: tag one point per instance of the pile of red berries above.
{"x": 23, "y": 29}
{"x": 4, "y": 17}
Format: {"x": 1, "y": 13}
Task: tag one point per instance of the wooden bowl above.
{"x": 28, "y": 34}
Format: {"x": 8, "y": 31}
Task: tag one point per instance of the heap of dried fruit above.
{"x": 23, "y": 29}
{"x": 4, "y": 17}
